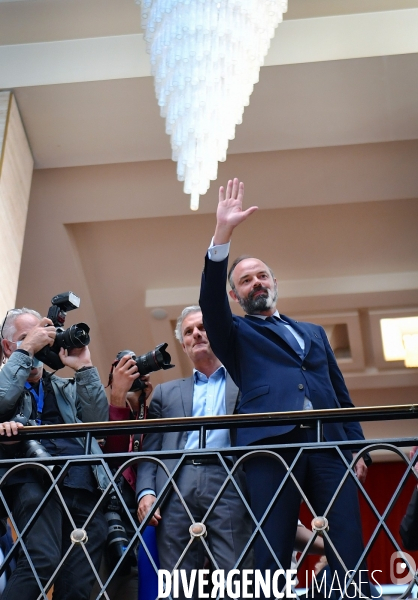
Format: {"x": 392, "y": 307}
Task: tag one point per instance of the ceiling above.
{"x": 319, "y": 104}
{"x": 328, "y": 150}
{"x": 29, "y": 21}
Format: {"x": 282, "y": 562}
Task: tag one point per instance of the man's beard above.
{"x": 256, "y": 305}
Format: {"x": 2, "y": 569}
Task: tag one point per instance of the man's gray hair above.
{"x": 9, "y": 328}
{"x": 184, "y": 313}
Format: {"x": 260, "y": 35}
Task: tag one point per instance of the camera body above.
{"x": 154, "y": 360}
{"x": 76, "y": 336}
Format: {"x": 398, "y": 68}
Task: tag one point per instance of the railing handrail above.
{"x": 336, "y": 415}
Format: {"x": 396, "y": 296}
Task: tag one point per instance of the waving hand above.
{"x": 230, "y": 213}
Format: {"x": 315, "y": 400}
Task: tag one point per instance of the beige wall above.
{"x": 16, "y": 166}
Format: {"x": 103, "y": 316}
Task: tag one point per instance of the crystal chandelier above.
{"x": 205, "y": 57}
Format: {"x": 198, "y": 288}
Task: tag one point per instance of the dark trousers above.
{"x": 49, "y": 540}
{"x": 228, "y": 524}
{"x": 318, "y": 473}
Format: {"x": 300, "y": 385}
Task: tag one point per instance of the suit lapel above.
{"x": 231, "y": 395}
{"x": 186, "y": 390}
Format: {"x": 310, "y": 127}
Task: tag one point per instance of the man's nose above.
{"x": 196, "y": 332}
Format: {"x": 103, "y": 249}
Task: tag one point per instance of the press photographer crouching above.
{"x": 28, "y": 390}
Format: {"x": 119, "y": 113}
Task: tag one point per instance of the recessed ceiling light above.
{"x": 159, "y": 313}
{"x": 400, "y": 340}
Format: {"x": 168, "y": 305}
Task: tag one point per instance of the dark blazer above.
{"x": 409, "y": 525}
{"x": 170, "y": 400}
{"x": 270, "y": 374}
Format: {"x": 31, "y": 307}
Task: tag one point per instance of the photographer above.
{"x": 125, "y": 405}
{"x": 27, "y": 390}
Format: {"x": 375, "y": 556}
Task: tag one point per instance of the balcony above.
{"x": 383, "y": 498}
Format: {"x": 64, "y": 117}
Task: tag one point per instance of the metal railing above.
{"x": 54, "y": 470}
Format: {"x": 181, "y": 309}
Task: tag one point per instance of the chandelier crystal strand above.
{"x": 205, "y": 58}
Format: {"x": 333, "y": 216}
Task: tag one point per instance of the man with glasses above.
{"x": 27, "y": 389}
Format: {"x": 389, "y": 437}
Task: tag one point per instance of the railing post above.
{"x": 202, "y": 436}
{"x": 319, "y": 431}
{"x": 87, "y": 443}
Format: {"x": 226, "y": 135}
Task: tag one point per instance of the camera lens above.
{"x": 155, "y": 360}
{"x": 117, "y": 542}
{"x": 76, "y": 336}
{"x": 34, "y": 449}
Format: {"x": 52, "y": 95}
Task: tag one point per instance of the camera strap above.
{"x": 39, "y": 398}
{"x": 136, "y": 438}
{"x": 110, "y": 380}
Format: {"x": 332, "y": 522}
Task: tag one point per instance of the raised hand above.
{"x": 40, "y": 336}
{"x": 75, "y": 358}
{"x": 124, "y": 374}
{"x": 230, "y": 213}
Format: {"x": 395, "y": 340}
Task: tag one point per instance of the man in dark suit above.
{"x": 210, "y": 391}
{"x": 280, "y": 365}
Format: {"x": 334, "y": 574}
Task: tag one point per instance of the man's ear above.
{"x": 5, "y": 349}
{"x": 233, "y": 295}
{"x": 184, "y": 347}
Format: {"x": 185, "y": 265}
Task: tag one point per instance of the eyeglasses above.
{"x": 4, "y": 322}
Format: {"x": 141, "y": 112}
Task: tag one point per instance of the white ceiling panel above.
{"x": 296, "y": 106}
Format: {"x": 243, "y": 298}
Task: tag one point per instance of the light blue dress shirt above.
{"x": 209, "y": 400}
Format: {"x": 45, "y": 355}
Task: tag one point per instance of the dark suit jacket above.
{"x": 409, "y": 525}
{"x": 170, "y": 400}
{"x": 270, "y": 374}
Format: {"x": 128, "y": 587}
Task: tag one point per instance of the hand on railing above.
{"x": 8, "y": 429}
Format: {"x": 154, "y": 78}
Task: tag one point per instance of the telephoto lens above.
{"x": 34, "y": 449}
{"x": 116, "y": 543}
{"x": 30, "y": 448}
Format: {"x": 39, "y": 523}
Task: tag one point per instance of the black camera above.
{"x": 30, "y": 448}
{"x": 76, "y": 336}
{"x": 117, "y": 538}
{"x": 155, "y": 360}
